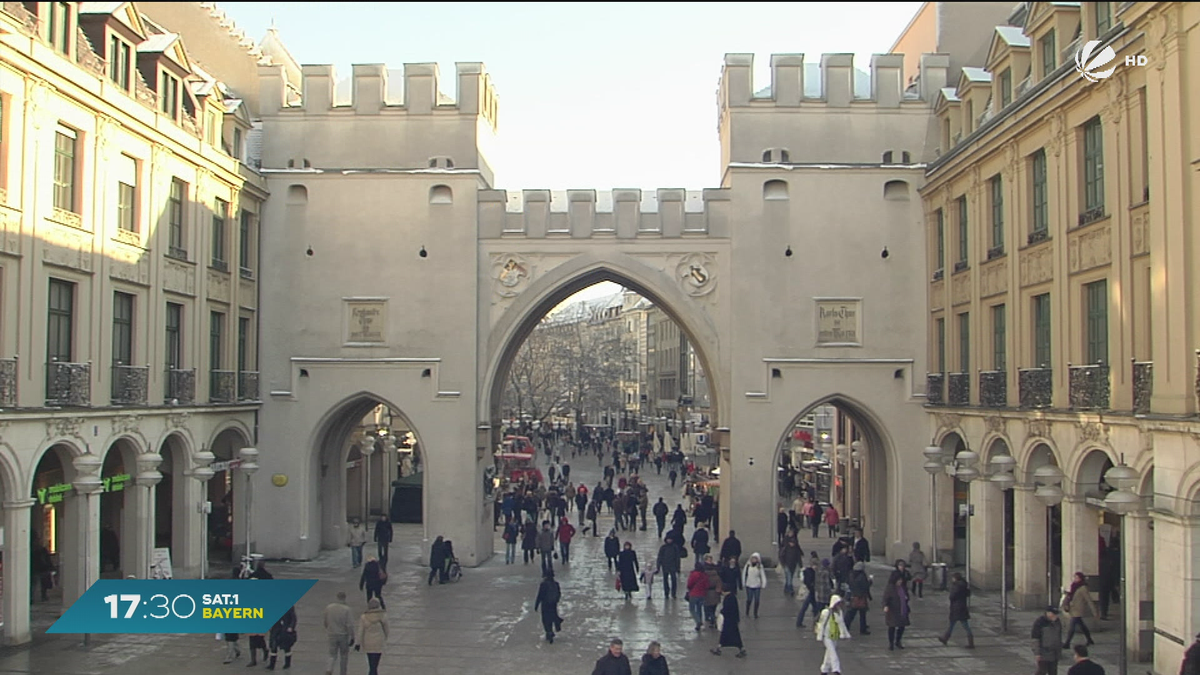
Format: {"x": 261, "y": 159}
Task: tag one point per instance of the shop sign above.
{"x": 115, "y": 483}
{"x": 53, "y": 494}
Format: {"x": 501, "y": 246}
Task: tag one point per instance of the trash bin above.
{"x": 937, "y": 576}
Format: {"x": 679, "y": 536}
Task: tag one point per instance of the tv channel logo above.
{"x": 1090, "y": 63}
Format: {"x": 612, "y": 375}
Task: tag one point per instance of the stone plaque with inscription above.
{"x": 839, "y": 322}
{"x": 366, "y": 321}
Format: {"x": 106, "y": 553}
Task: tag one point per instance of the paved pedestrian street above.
{"x": 485, "y": 623}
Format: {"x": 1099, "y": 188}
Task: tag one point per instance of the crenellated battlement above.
{"x": 836, "y": 81}
{"x": 371, "y": 93}
{"x": 622, "y": 214}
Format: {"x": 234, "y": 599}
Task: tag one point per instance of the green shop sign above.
{"x": 54, "y": 493}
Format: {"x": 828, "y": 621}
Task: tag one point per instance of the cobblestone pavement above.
{"x": 485, "y": 623}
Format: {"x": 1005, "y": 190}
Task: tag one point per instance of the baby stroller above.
{"x": 453, "y": 570}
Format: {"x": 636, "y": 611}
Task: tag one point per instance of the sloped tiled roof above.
{"x": 1013, "y": 35}
{"x": 973, "y": 74}
{"x": 99, "y": 7}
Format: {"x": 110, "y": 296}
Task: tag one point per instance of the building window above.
{"x": 964, "y": 342}
{"x": 999, "y": 353}
{"x": 1093, "y": 165}
{"x": 245, "y": 240}
{"x": 962, "y": 230}
{"x": 945, "y": 134}
{"x": 941, "y": 345}
{"x": 1103, "y": 17}
{"x": 969, "y": 122}
{"x": 168, "y": 94}
{"x": 1041, "y": 206}
{"x": 119, "y": 54}
{"x": 237, "y": 143}
{"x": 122, "y": 329}
{"x": 174, "y": 336}
{"x": 941, "y": 239}
{"x": 210, "y": 130}
{"x": 997, "y": 190}
{"x": 243, "y": 353}
{"x": 1096, "y": 305}
{"x": 60, "y": 27}
{"x": 1006, "y": 89}
{"x": 127, "y": 194}
{"x": 1049, "y": 51}
{"x": 216, "y": 334}
{"x": 1041, "y": 331}
{"x": 65, "y": 168}
{"x": 176, "y": 241}
{"x": 60, "y": 328}
{"x": 220, "y": 215}
{"x": 1144, "y": 132}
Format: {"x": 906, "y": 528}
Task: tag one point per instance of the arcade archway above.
{"x": 171, "y": 511}
{"x": 226, "y": 492}
{"x": 54, "y": 522}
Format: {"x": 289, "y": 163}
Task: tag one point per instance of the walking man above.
{"x": 383, "y": 538}
{"x": 357, "y": 539}
{"x": 1047, "y": 641}
{"x": 549, "y": 593}
{"x": 668, "y": 564}
{"x": 613, "y": 662}
{"x": 660, "y": 516}
{"x": 959, "y": 610}
{"x": 339, "y": 626}
{"x": 437, "y": 559}
{"x": 545, "y": 545}
{"x": 566, "y": 531}
{"x": 1084, "y": 665}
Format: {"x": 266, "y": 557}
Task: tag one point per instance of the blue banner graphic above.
{"x": 182, "y": 606}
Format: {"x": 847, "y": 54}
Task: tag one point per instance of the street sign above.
{"x": 217, "y": 467}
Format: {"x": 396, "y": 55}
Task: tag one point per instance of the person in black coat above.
{"x": 283, "y": 636}
{"x": 437, "y": 559}
{"x": 383, "y": 539}
{"x": 731, "y": 633}
{"x": 549, "y": 593}
{"x": 679, "y": 518}
{"x": 612, "y": 548}
{"x": 700, "y": 542}
{"x": 529, "y": 541}
{"x": 862, "y": 548}
{"x": 668, "y": 564}
{"x": 660, "y": 515}
{"x": 372, "y": 579}
{"x": 614, "y": 662}
{"x": 732, "y": 548}
{"x": 628, "y": 568}
{"x": 653, "y": 662}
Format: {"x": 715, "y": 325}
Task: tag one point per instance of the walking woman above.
{"x": 283, "y": 636}
{"x": 919, "y": 567}
{"x": 1077, "y": 603}
{"x": 372, "y": 634}
{"x": 529, "y": 541}
{"x": 754, "y": 579}
{"x": 612, "y": 548}
{"x": 831, "y": 628}
{"x": 653, "y": 662}
{"x": 697, "y": 588}
{"x": 372, "y": 579}
{"x": 627, "y": 568}
{"x": 731, "y": 633}
{"x": 895, "y": 610}
{"x": 960, "y": 612}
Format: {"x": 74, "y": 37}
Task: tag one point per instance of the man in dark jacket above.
{"x": 960, "y": 612}
{"x": 700, "y": 542}
{"x": 437, "y": 559}
{"x": 732, "y": 548}
{"x": 660, "y": 515}
{"x": 842, "y": 565}
{"x": 545, "y": 545}
{"x": 549, "y": 593}
{"x": 613, "y": 662}
{"x": 1191, "y": 659}
{"x": 862, "y": 548}
{"x": 1047, "y": 641}
{"x": 679, "y": 518}
{"x": 283, "y": 636}
{"x": 668, "y": 564}
{"x": 383, "y": 538}
{"x": 1084, "y": 665}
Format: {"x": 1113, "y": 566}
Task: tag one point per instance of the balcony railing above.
{"x": 993, "y": 389}
{"x": 247, "y": 386}
{"x": 219, "y": 265}
{"x": 1091, "y": 215}
{"x": 68, "y": 384}
{"x": 1038, "y": 236}
{"x": 995, "y": 252}
{"x": 8, "y": 383}
{"x": 935, "y": 388}
{"x": 130, "y": 384}
{"x": 246, "y": 273}
{"x": 960, "y": 266}
{"x": 1036, "y": 387}
{"x": 1143, "y": 386}
{"x": 960, "y": 388}
{"x": 1089, "y": 387}
{"x": 222, "y": 386}
{"x": 180, "y": 386}
{"x": 938, "y": 274}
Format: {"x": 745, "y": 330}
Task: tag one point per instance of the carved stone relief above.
{"x": 1058, "y": 123}
{"x": 246, "y": 294}
{"x": 1140, "y": 232}
{"x": 948, "y": 421}
{"x": 135, "y": 273}
{"x": 218, "y": 286}
{"x": 697, "y": 274}
{"x": 1093, "y": 433}
{"x": 1037, "y": 265}
{"x": 1036, "y": 428}
{"x": 65, "y": 248}
{"x": 179, "y": 277}
{"x": 511, "y": 274}
{"x": 960, "y": 289}
{"x": 10, "y": 230}
{"x": 106, "y": 130}
{"x": 994, "y": 423}
{"x": 1090, "y": 248}
{"x": 37, "y": 99}
{"x": 64, "y": 427}
{"x": 937, "y": 295}
{"x": 131, "y": 423}
{"x": 993, "y": 278}
{"x": 178, "y": 420}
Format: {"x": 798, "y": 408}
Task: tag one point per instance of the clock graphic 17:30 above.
{"x": 162, "y": 606}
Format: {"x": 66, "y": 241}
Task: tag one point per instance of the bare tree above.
{"x": 535, "y": 383}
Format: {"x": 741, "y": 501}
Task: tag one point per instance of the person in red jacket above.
{"x": 566, "y": 531}
{"x": 697, "y": 588}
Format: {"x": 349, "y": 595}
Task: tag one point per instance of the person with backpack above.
{"x": 511, "y": 534}
{"x": 549, "y": 593}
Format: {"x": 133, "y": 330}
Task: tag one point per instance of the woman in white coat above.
{"x": 831, "y": 627}
{"x": 754, "y": 578}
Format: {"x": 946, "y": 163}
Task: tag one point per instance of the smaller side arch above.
{"x": 72, "y": 448}
{"x": 226, "y": 426}
{"x": 1084, "y": 468}
{"x": 1029, "y": 450}
{"x": 896, "y": 191}
{"x": 183, "y": 437}
{"x": 991, "y": 443}
{"x": 10, "y": 473}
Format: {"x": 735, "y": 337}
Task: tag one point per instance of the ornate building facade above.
{"x": 1061, "y": 216}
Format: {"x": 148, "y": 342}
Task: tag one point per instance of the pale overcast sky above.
{"x": 592, "y": 95}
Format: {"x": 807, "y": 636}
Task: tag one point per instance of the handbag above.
{"x": 382, "y": 577}
{"x": 618, "y": 583}
{"x": 858, "y": 602}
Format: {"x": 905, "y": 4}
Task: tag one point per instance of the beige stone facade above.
{"x": 128, "y": 290}
{"x": 1060, "y": 217}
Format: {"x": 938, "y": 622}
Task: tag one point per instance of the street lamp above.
{"x": 1121, "y": 501}
{"x": 201, "y": 474}
{"x": 933, "y": 466}
{"x": 367, "y": 449}
{"x": 965, "y": 471}
{"x": 855, "y": 481}
{"x": 1048, "y": 477}
{"x": 1002, "y": 477}
{"x": 87, "y": 483}
{"x": 249, "y": 467}
{"x": 148, "y": 476}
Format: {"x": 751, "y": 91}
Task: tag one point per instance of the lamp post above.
{"x": 201, "y": 474}
{"x": 856, "y": 479}
{"x": 87, "y": 483}
{"x": 965, "y": 471}
{"x": 148, "y": 476}
{"x": 933, "y": 466}
{"x": 1002, "y": 477}
{"x": 248, "y": 467}
{"x": 838, "y": 451}
{"x": 1048, "y": 477}
{"x": 1121, "y": 501}
{"x": 367, "y": 450}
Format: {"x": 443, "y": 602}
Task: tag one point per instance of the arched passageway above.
{"x": 226, "y": 491}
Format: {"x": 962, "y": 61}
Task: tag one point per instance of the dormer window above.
{"x": 168, "y": 94}
{"x": 1006, "y": 89}
{"x": 1049, "y": 53}
{"x": 1103, "y": 17}
{"x": 212, "y": 130}
{"x": 60, "y": 27}
{"x": 119, "y": 62}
